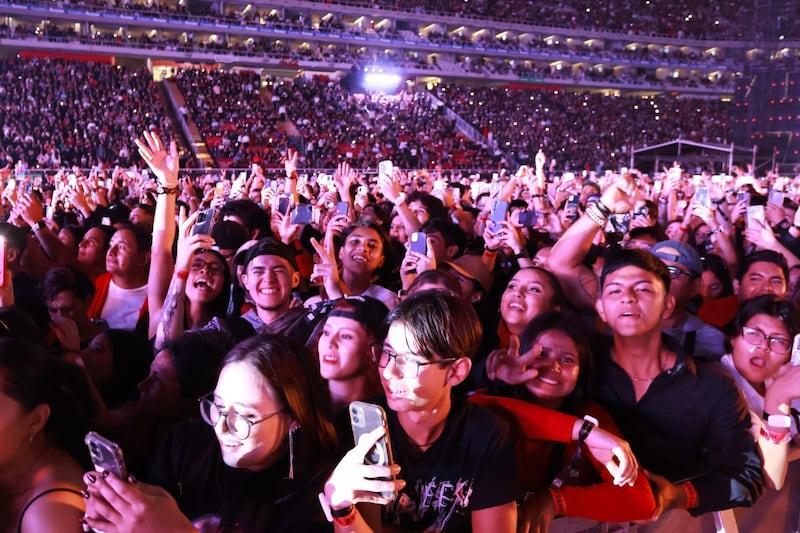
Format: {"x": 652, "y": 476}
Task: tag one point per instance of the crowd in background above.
{"x": 662, "y": 304}
{"x": 675, "y": 19}
{"x": 243, "y": 122}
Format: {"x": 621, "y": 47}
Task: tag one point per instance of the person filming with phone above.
{"x": 256, "y": 461}
{"x": 454, "y": 467}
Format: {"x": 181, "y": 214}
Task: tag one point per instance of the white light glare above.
{"x": 381, "y": 81}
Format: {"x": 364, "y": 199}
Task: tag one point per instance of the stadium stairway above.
{"x": 468, "y": 130}
{"x": 183, "y": 124}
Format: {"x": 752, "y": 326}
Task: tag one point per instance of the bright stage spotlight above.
{"x": 381, "y": 81}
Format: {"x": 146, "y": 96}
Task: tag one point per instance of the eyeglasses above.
{"x": 212, "y": 268}
{"x": 675, "y": 272}
{"x": 756, "y": 337}
{"x": 407, "y": 366}
{"x": 238, "y": 425}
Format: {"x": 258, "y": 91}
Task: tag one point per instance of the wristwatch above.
{"x": 589, "y": 423}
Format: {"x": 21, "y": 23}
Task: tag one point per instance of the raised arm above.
{"x": 164, "y": 165}
{"x": 171, "y": 315}
{"x": 566, "y": 257}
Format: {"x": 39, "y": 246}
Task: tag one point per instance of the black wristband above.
{"x": 604, "y": 209}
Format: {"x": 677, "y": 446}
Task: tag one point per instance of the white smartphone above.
{"x": 386, "y": 168}
{"x": 755, "y": 212}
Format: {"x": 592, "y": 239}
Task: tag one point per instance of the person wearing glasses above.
{"x": 760, "y": 340}
{"x": 257, "y": 464}
{"x": 454, "y": 463}
{"x": 455, "y": 466}
{"x": 200, "y": 286}
{"x": 686, "y": 272}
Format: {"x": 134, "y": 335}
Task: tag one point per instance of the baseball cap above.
{"x": 266, "y": 246}
{"x": 680, "y": 253}
{"x": 367, "y": 311}
{"x": 472, "y": 267}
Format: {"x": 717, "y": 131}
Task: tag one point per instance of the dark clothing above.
{"x": 295, "y": 324}
{"x": 28, "y": 297}
{"x": 470, "y": 467}
{"x": 191, "y": 468}
{"x": 691, "y": 424}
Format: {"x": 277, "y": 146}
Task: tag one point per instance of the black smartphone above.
{"x": 417, "y": 243}
{"x": 342, "y": 208}
{"x": 302, "y": 214}
{"x": 283, "y": 204}
{"x": 364, "y": 418}
{"x": 206, "y": 221}
{"x": 527, "y": 218}
{"x": 106, "y": 455}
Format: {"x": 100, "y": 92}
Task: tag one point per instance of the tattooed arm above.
{"x": 170, "y": 327}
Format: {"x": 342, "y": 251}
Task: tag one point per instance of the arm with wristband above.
{"x": 566, "y": 257}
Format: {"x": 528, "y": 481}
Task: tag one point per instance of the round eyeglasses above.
{"x": 238, "y": 425}
{"x": 407, "y": 366}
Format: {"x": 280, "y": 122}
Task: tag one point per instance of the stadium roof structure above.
{"x": 693, "y": 152}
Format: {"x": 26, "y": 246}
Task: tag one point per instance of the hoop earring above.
{"x": 295, "y": 426}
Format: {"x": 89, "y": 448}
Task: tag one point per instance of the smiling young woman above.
{"x": 256, "y": 465}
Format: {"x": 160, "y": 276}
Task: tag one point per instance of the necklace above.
{"x": 636, "y": 380}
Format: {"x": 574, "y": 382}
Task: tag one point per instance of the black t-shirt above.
{"x": 189, "y": 465}
{"x": 470, "y": 467}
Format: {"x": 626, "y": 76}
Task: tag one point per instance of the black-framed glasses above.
{"x": 675, "y": 272}
{"x": 407, "y": 365}
{"x": 756, "y": 337}
{"x": 210, "y": 266}
{"x": 238, "y": 425}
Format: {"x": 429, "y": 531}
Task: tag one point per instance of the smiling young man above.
{"x": 269, "y": 279}
{"x": 761, "y": 272}
{"x": 685, "y": 421}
